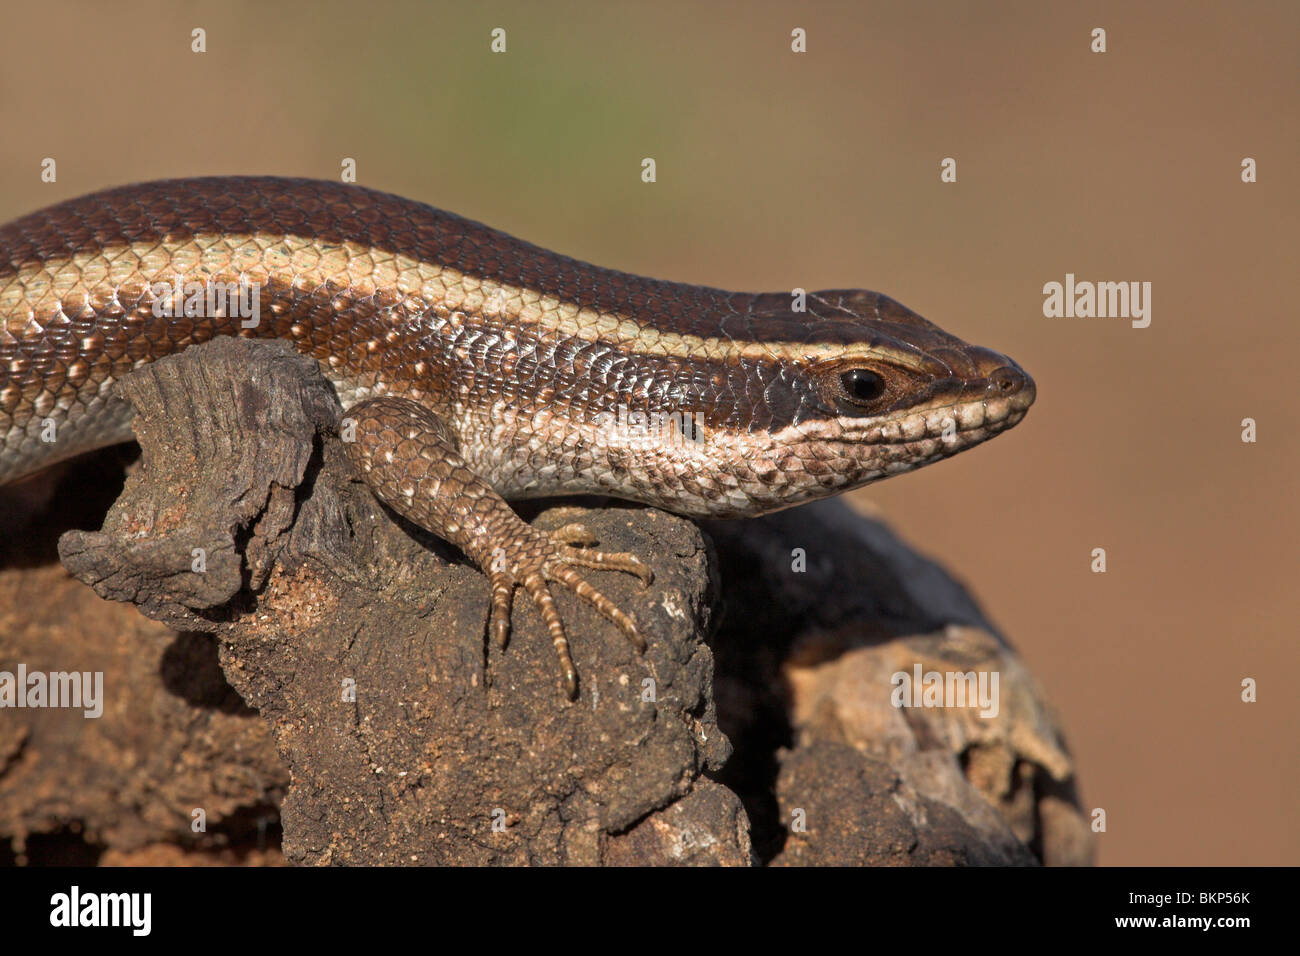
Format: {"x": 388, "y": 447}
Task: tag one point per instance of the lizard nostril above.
{"x": 1007, "y": 380}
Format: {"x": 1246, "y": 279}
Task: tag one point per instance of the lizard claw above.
{"x": 503, "y": 593}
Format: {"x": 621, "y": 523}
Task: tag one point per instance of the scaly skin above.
{"x": 478, "y": 368}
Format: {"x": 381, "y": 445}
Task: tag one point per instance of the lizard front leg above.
{"x": 407, "y": 456}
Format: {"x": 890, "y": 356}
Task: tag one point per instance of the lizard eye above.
{"x": 862, "y": 386}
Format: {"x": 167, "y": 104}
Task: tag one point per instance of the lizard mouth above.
{"x": 920, "y": 437}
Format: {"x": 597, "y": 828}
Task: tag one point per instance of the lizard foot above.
{"x": 551, "y": 560}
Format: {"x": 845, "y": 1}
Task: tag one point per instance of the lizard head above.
{"x": 852, "y": 389}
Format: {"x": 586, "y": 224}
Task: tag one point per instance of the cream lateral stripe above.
{"x": 38, "y": 288}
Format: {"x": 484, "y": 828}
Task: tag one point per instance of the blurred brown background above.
{"x": 822, "y": 170}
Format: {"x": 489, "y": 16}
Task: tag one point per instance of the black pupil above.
{"x": 863, "y": 385}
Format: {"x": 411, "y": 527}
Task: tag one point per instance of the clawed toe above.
{"x": 574, "y": 543}
{"x": 571, "y": 579}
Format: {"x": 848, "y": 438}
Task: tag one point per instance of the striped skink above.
{"x": 476, "y": 368}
